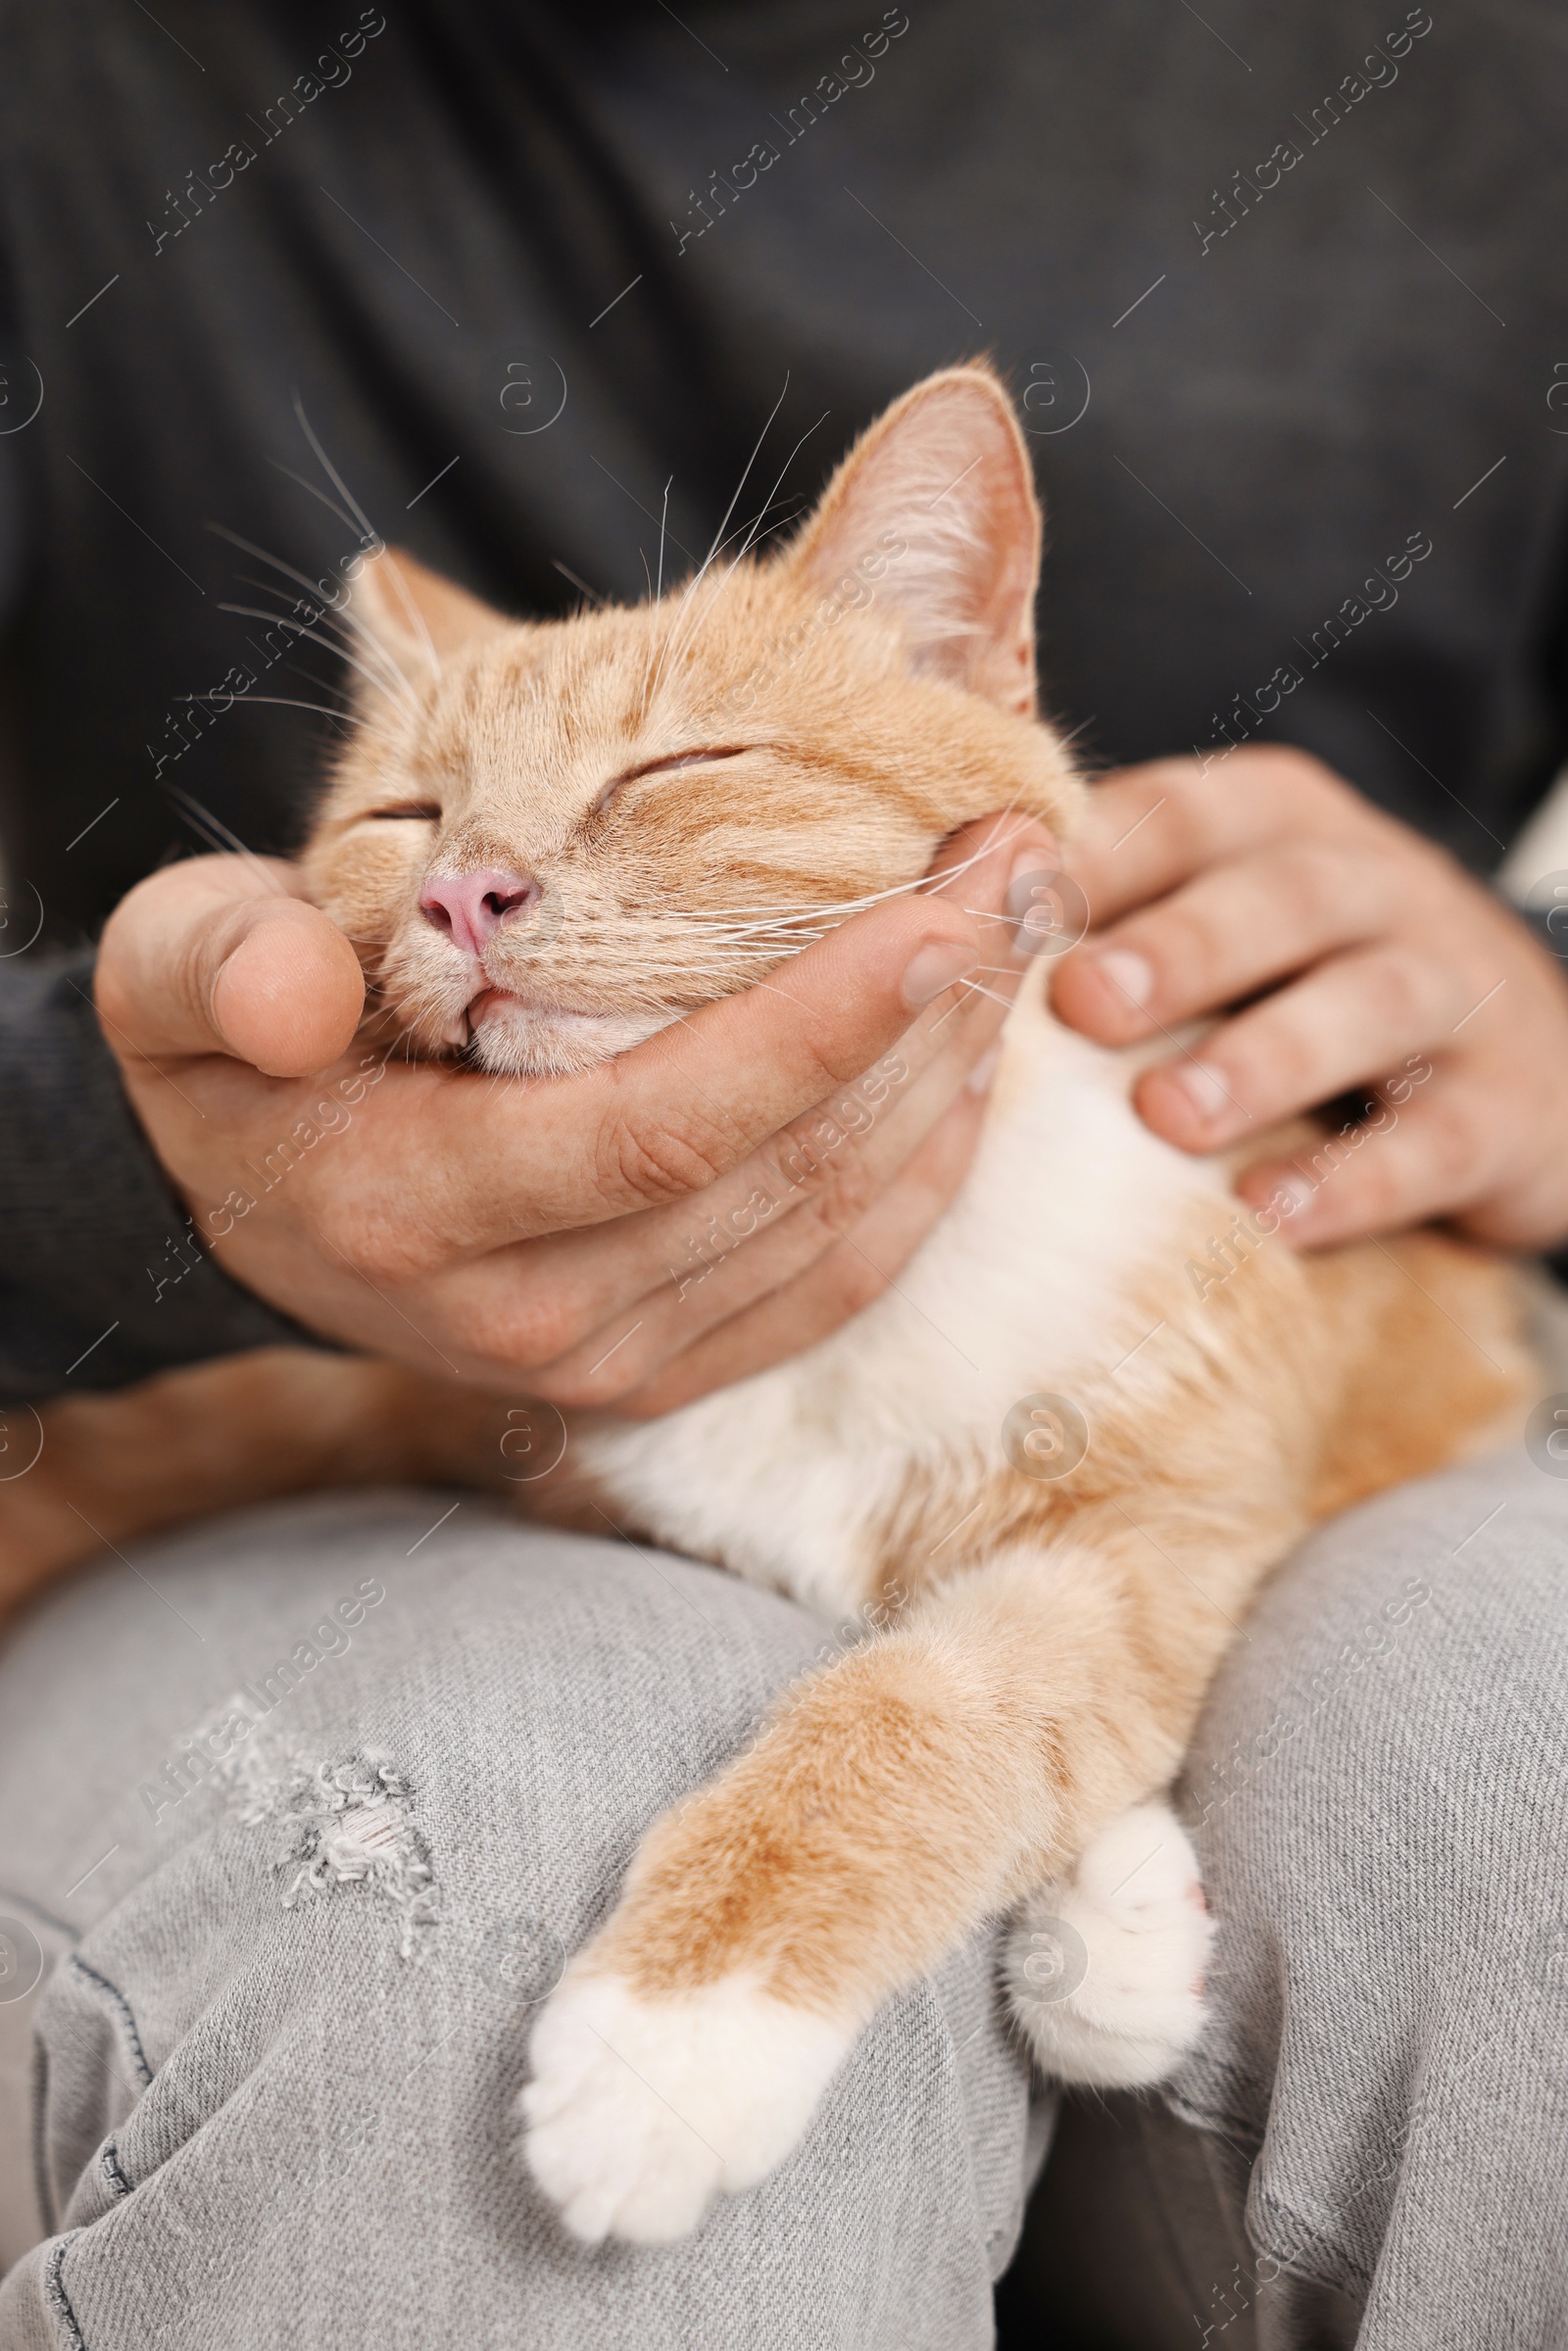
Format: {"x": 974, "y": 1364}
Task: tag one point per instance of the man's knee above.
{"x": 1398, "y": 1648}
{"x": 423, "y": 1798}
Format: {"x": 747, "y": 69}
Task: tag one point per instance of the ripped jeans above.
{"x": 298, "y": 1825}
{"x": 306, "y": 1814}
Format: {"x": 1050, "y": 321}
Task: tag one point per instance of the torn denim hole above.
{"x": 351, "y": 1824}
{"x": 54, "y": 2287}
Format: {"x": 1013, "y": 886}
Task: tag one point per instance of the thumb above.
{"x": 218, "y": 955}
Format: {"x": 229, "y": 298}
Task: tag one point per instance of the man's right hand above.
{"x": 552, "y": 1235}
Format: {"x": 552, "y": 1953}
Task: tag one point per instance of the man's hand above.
{"x": 719, "y": 1198}
{"x": 1370, "y": 951}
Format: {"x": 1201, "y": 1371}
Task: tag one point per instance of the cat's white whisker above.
{"x": 566, "y": 572}
{"x": 345, "y": 712}
{"x": 314, "y": 489}
{"x": 664, "y": 524}
{"x": 659, "y": 593}
{"x": 745, "y": 477}
{"x": 263, "y": 555}
{"x": 338, "y": 483}
{"x": 250, "y": 612}
{"x": 748, "y": 533}
{"x": 277, "y": 702}
{"x": 344, "y": 613}
{"x": 829, "y": 911}
{"x": 386, "y": 670}
{"x": 344, "y": 628}
{"x": 327, "y": 618}
{"x": 217, "y": 836}
{"x": 749, "y": 540}
{"x": 975, "y": 989}
{"x": 379, "y": 650}
{"x": 719, "y": 536}
{"x": 373, "y": 542}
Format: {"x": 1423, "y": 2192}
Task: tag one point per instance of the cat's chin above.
{"x": 525, "y": 1040}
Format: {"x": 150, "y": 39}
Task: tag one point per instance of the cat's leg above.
{"x": 914, "y": 1788}
{"x": 236, "y": 1429}
{"x": 1105, "y": 1968}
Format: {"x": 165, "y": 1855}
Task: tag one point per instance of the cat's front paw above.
{"x": 1105, "y": 1968}
{"x": 642, "y": 2109}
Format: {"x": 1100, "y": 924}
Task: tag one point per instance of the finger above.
{"x": 669, "y": 1118}
{"x": 981, "y": 859}
{"x": 1431, "y": 1158}
{"x": 489, "y": 1320}
{"x": 661, "y": 1289}
{"x": 1345, "y": 1023}
{"x": 574, "y": 1296}
{"x": 847, "y": 1278}
{"x": 435, "y": 1166}
{"x": 832, "y": 1159}
{"x": 981, "y": 868}
{"x": 440, "y": 1163}
{"x": 1232, "y": 930}
{"x": 1149, "y": 828}
{"x": 218, "y": 955}
{"x": 479, "y": 1167}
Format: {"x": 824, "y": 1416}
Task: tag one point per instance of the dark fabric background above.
{"x": 1300, "y": 397}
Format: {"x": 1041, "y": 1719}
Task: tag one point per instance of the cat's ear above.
{"x": 940, "y": 486}
{"x": 415, "y": 613}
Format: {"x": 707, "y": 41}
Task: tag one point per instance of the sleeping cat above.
{"x": 1051, "y": 1467}
{"x": 1051, "y": 1462}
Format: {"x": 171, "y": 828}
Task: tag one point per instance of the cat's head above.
{"x": 549, "y": 839}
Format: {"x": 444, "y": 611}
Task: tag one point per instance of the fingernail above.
{"x": 1202, "y": 1085}
{"x": 984, "y": 1070}
{"x": 1131, "y": 975}
{"x": 1291, "y": 1194}
{"x": 936, "y": 966}
{"x": 1026, "y": 865}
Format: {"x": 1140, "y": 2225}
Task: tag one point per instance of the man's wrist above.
{"x": 102, "y": 1280}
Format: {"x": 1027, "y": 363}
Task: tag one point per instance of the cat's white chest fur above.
{"x": 1024, "y": 1287}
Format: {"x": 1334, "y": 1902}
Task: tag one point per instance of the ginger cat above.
{"x": 1054, "y": 1462}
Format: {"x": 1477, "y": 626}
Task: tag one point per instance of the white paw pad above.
{"x": 1105, "y": 1968}
{"x": 641, "y": 2110}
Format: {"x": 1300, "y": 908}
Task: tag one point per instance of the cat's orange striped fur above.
{"x": 675, "y": 789}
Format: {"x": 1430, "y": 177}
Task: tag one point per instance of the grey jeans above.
{"x": 1370, "y": 2146}
{"x": 293, "y": 1963}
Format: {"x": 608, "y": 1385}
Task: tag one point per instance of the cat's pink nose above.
{"x": 469, "y": 907}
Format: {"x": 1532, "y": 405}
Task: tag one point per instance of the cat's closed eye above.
{"x": 426, "y": 811}
{"x": 702, "y": 757}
